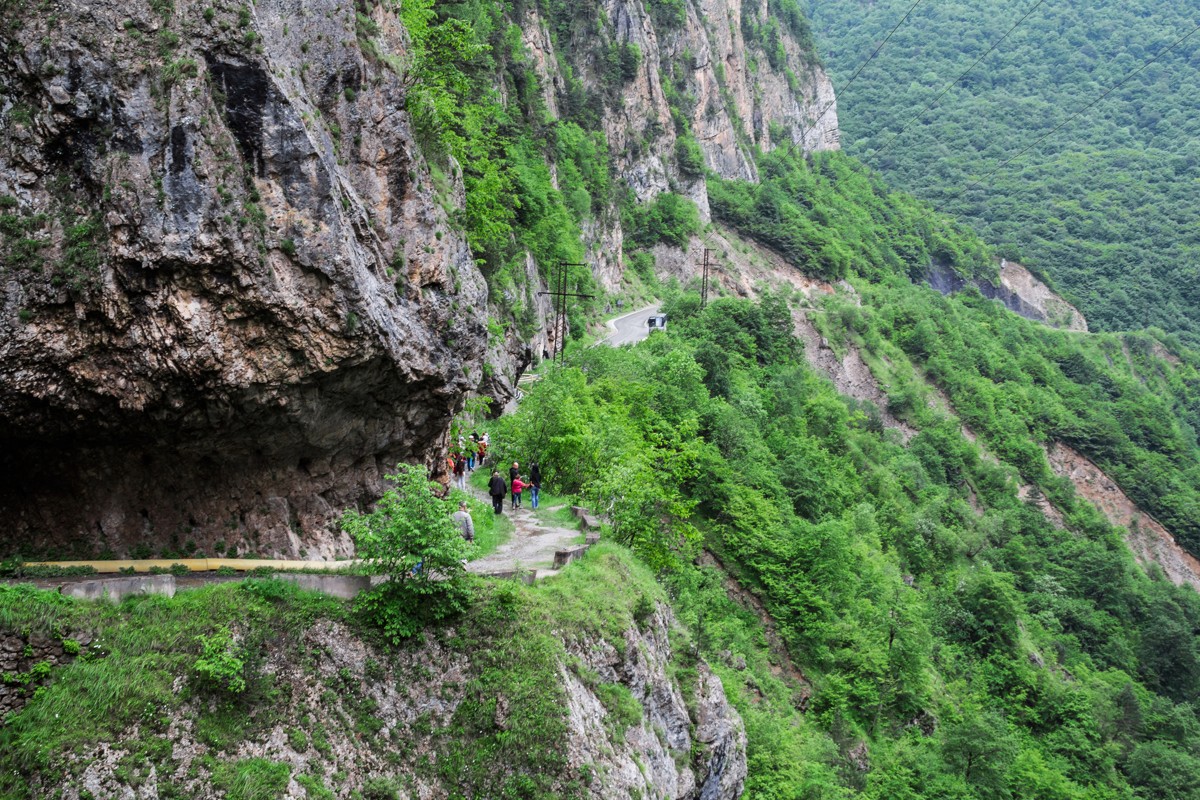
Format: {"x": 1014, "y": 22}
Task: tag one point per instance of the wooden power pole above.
{"x": 560, "y": 295}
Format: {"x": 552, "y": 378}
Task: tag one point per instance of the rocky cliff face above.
{"x": 1019, "y": 290}
{"x": 699, "y": 78}
{"x": 232, "y": 296}
{"x": 228, "y": 287}
{"x": 688, "y": 743}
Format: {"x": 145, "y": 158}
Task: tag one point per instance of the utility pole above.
{"x": 704, "y": 282}
{"x": 560, "y": 295}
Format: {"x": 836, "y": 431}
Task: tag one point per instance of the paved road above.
{"x": 630, "y": 328}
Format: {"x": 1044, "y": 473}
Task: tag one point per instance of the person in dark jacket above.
{"x": 497, "y": 489}
{"x": 535, "y": 484}
{"x": 513, "y": 471}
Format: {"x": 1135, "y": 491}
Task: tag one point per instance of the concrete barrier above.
{"x": 117, "y": 589}
{"x": 567, "y": 555}
{"x": 525, "y": 576}
{"x": 346, "y": 587}
{"x": 589, "y": 523}
{"x": 591, "y": 538}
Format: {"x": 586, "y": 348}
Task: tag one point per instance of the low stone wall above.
{"x": 19, "y": 659}
{"x": 346, "y": 587}
{"x": 115, "y": 590}
{"x": 567, "y": 555}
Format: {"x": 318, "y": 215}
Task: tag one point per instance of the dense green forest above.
{"x": 1109, "y": 206}
{"x": 977, "y": 651}
{"x": 953, "y": 642}
{"x": 1018, "y": 384}
{"x": 923, "y": 632}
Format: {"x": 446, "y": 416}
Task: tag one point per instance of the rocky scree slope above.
{"x": 228, "y": 289}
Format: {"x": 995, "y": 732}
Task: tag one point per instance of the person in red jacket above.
{"x": 518, "y": 486}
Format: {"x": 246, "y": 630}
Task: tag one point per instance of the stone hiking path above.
{"x": 532, "y": 545}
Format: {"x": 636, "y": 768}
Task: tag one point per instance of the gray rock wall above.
{"x": 240, "y": 308}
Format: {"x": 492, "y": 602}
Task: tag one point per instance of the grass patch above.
{"x": 504, "y": 739}
{"x": 138, "y": 650}
{"x": 253, "y": 779}
{"x": 560, "y": 517}
{"x": 491, "y": 529}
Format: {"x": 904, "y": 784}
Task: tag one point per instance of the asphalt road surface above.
{"x": 630, "y": 328}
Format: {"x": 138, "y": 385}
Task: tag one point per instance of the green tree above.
{"x": 410, "y": 539}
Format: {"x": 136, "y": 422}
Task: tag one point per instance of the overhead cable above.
{"x": 954, "y": 82}
{"x": 1059, "y": 126}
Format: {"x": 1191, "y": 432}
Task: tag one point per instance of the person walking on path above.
{"x": 462, "y": 518}
{"x": 497, "y": 489}
{"x": 518, "y": 486}
{"x": 514, "y": 471}
{"x": 460, "y": 472}
{"x": 535, "y": 484}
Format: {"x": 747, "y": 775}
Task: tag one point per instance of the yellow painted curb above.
{"x": 198, "y": 564}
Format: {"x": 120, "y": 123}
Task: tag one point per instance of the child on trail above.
{"x": 518, "y": 486}
{"x": 535, "y": 484}
{"x": 497, "y": 489}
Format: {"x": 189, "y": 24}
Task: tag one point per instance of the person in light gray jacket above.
{"x": 462, "y": 518}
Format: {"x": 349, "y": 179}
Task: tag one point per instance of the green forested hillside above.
{"x": 954, "y": 644}
{"x": 1108, "y": 207}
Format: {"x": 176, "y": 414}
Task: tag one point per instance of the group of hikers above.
{"x": 469, "y": 455}
{"x": 466, "y": 457}
{"x": 497, "y": 488}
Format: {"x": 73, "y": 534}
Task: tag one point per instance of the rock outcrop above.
{"x": 1019, "y": 290}
{"x": 1150, "y": 542}
{"x": 228, "y": 297}
{"x": 702, "y": 77}
{"x": 652, "y": 760}
{"x": 688, "y": 744}
{"x": 231, "y": 294}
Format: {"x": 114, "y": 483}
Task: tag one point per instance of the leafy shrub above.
{"x": 380, "y": 789}
{"x": 410, "y": 538}
{"x": 253, "y": 779}
{"x": 671, "y": 219}
{"x": 689, "y": 156}
{"x": 220, "y": 665}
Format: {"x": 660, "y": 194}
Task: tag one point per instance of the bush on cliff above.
{"x": 410, "y": 538}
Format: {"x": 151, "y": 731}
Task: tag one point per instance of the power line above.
{"x": 954, "y": 82}
{"x": 1057, "y": 127}
{"x": 858, "y": 71}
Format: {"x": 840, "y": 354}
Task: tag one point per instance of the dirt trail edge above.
{"x": 531, "y": 546}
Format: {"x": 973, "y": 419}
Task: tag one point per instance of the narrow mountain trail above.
{"x": 531, "y": 546}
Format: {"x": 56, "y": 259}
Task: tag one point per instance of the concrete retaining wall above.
{"x": 115, "y": 590}
{"x": 346, "y": 587}
{"x": 566, "y": 556}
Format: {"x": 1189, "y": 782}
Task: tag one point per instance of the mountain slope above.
{"x": 1109, "y": 206}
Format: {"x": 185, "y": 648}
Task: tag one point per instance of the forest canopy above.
{"x": 1109, "y": 206}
